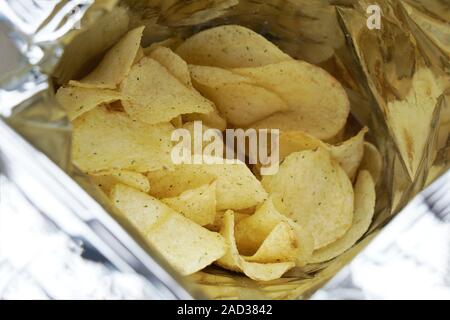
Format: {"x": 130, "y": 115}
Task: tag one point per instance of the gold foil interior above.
{"x": 396, "y": 79}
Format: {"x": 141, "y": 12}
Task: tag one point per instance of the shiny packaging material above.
{"x": 393, "y": 58}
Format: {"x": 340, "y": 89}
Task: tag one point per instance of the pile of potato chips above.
{"x": 317, "y": 206}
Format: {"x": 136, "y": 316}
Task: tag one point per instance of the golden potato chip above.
{"x": 350, "y": 153}
{"x": 77, "y": 100}
{"x": 234, "y": 262}
{"x": 252, "y": 233}
{"x": 198, "y": 204}
{"x": 237, "y": 99}
{"x": 173, "y": 63}
{"x": 236, "y": 186}
{"x": 116, "y": 63}
{"x": 281, "y": 245}
{"x": 187, "y": 246}
{"x": 106, "y": 180}
{"x": 230, "y": 46}
{"x": 107, "y": 140}
{"x": 362, "y": 217}
{"x": 372, "y": 161}
{"x": 318, "y": 103}
{"x": 316, "y": 192}
{"x": 152, "y": 95}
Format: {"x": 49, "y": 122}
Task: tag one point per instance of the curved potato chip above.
{"x": 198, "y": 204}
{"x": 106, "y": 140}
{"x": 362, "y": 217}
{"x": 240, "y": 102}
{"x": 230, "y": 46}
{"x": 350, "y": 153}
{"x": 318, "y": 103}
{"x": 173, "y": 63}
{"x": 281, "y": 245}
{"x": 252, "y": 232}
{"x": 77, "y": 100}
{"x": 232, "y": 179}
{"x": 372, "y": 161}
{"x": 234, "y": 262}
{"x": 116, "y": 63}
{"x": 187, "y": 246}
{"x": 151, "y": 94}
{"x": 108, "y": 179}
{"x": 316, "y": 192}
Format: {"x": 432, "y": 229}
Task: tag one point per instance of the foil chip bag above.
{"x": 96, "y": 68}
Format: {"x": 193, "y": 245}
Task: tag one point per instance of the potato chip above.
{"x": 362, "y": 217}
{"x": 187, "y": 246}
{"x": 116, "y": 63}
{"x": 281, "y": 245}
{"x": 173, "y": 63}
{"x": 350, "y": 153}
{"x": 253, "y": 232}
{"x": 316, "y": 192}
{"x": 152, "y": 95}
{"x": 198, "y": 204}
{"x": 230, "y": 46}
{"x": 107, "y": 140}
{"x": 108, "y": 179}
{"x": 372, "y": 161}
{"x": 234, "y": 262}
{"x": 236, "y": 187}
{"x": 237, "y": 99}
{"x": 76, "y": 100}
{"x": 318, "y": 103}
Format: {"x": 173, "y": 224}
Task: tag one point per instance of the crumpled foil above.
{"x": 397, "y": 79}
